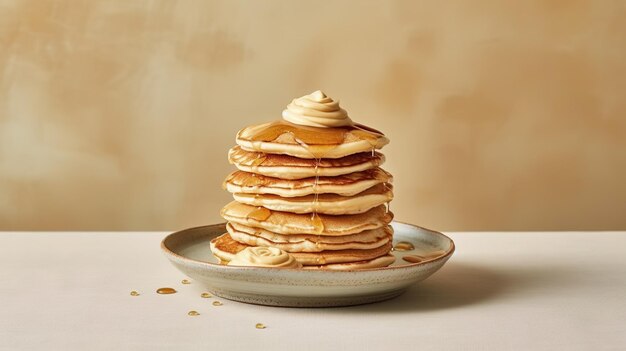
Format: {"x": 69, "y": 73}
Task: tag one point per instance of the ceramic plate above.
{"x": 189, "y": 251}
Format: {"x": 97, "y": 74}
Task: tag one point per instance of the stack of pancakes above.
{"x": 316, "y": 193}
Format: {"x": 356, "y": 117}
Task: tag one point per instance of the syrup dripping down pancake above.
{"x": 345, "y": 185}
{"x": 368, "y": 239}
{"x": 286, "y": 138}
{"x": 332, "y": 204}
{"x": 289, "y": 167}
{"x": 225, "y": 248}
{"x": 292, "y": 223}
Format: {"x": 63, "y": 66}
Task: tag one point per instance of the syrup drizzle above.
{"x": 318, "y": 142}
{"x": 316, "y": 220}
{"x": 260, "y": 214}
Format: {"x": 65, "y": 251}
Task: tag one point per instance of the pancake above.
{"x": 289, "y": 167}
{"x": 282, "y": 137}
{"x": 368, "y": 239}
{"x": 291, "y": 223}
{"x": 332, "y": 204}
{"x": 345, "y": 185}
{"x": 379, "y": 262}
{"x": 225, "y": 248}
{"x": 310, "y": 185}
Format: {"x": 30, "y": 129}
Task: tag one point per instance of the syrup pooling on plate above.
{"x": 424, "y": 257}
{"x": 403, "y": 246}
{"x": 413, "y": 258}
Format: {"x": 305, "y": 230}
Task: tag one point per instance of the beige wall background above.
{"x": 503, "y": 115}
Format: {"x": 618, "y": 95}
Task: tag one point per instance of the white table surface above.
{"x": 500, "y": 291}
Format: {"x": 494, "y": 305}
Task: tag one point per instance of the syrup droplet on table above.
{"x": 217, "y": 303}
{"x": 185, "y": 281}
{"x": 403, "y": 246}
{"x": 205, "y": 295}
{"x": 193, "y": 313}
{"x": 134, "y": 293}
{"x": 166, "y": 291}
{"x": 260, "y": 326}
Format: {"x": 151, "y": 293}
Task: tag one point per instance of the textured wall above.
{"x": 503, "y": 115}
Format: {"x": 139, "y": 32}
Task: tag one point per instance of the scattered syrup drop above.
{"x": 413, "y": 258}
{"x": 166, "y": 291}
{"x": 205, "y": 295}
{"x": 260, "y": 326}
{"x": 217, "y": 303}
{"x": 259, "y": 214}
{"x": 134, "y": 293}
{"x": 185, "y": 281}
{"x": 193, "y": 313}
{"x": 403, "y": 246}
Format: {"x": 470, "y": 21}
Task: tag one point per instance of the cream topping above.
{"x": 316, "y": 110}
{"x": 264, "y": 257}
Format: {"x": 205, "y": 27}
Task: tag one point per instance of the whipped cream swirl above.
{"x": 264, "y": 257}
{"x": 316, "y": 110}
